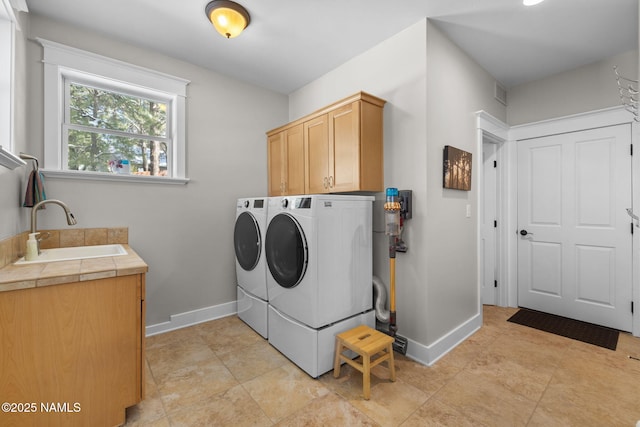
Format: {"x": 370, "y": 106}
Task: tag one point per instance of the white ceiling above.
{"x": 292, "y": 42}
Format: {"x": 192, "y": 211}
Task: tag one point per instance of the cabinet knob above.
{"x": 325, "y": 182}
{"x": 331, "y": 182}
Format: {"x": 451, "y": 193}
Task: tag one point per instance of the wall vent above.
{"x": 500, "y": 94}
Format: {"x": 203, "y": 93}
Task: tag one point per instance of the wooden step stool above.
{"x": 367, "y": 342}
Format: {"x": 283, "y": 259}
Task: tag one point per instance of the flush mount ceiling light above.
{"x": 531, "y": 2}
{"x": 228, "y": 17}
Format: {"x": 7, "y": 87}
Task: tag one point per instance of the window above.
{"x": 104, "y": 130}
{"x": 105, "y": 119}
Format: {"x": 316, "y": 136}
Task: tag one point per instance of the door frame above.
{"x": 508, "y": 197}
{"x": 493, "y": 130}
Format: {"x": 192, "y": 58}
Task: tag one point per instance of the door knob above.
{"x": 525, "y": 233}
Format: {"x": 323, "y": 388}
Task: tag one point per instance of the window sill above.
{"x": 103, "y": 176}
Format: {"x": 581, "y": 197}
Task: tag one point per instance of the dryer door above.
{"x": 286, "y": 250}
{"x": 247, "y": 241}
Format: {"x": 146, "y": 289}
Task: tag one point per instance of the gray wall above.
{"x": 457, "y": 87}
{"x": 184, "y": 232}
{"x": 432, "y": 90}
{"x": 588, "y": 88}
{"x": 13, "y": 218}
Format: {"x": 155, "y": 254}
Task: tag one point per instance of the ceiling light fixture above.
{"x": 531, "y": 2}
{"x": 228, "y": 17}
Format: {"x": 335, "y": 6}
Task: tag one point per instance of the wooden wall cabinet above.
{"x": 286, "y": 161}
{"x": 78, "y": 346}
{"x": 342, "y": 146}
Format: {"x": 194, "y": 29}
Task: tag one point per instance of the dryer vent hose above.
{"x": 380, "y": 300}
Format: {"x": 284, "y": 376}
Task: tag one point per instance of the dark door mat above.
{"x": 574, "y": 329}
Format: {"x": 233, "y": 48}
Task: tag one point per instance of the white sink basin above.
{"x": 76, "y": 252}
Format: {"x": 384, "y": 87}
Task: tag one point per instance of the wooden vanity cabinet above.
{"x": 77, "y": 348}
{"x": 286, "y": 162}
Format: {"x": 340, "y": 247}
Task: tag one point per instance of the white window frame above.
{"x": 63, "y": 62}
{"x": 7, "y": 50}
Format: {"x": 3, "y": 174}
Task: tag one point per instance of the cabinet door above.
{"x": 78, "y": 344}
{"x": 316, "y": 142}
{"x": 276, "y": 164}
{"x": 371, "y": 147}
{"x": 294, "y": 148}
{"x": 344, "y": 141}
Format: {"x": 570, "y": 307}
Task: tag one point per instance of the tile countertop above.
{"x": 14, "y": 277}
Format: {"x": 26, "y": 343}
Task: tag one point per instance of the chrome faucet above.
{"x": 71, "y": 220}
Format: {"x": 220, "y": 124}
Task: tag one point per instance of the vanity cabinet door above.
{"x": 77, "y": 346}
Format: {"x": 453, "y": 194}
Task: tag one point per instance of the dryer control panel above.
{"x": 303, "y": 203}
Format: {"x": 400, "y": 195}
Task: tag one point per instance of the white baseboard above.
{"x": 428, "y": 355}
{"x": 189, "y": 318}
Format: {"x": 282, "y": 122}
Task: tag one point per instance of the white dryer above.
{"x": 248, "y": 241}
{"x": 318, "y": 250}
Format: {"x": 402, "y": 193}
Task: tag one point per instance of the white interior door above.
{"x": 575, "y": 242}
{"x": 488, "y": 215}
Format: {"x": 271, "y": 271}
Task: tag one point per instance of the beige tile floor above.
{"x": 222, "y": 373}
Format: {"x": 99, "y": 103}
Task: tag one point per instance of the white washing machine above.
{"x": 318, "y": 250}
{"x": 248, "y": 241}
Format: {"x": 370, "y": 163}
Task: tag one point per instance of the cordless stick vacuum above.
{"x": 392, "y": 229}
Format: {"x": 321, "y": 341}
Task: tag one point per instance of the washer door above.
{"x": 247, "y": 241}
{"x": 286, "y": 250}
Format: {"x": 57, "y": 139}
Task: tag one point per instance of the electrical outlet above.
{"x": 468, "y": 211}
